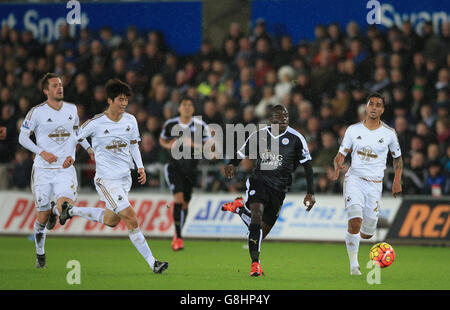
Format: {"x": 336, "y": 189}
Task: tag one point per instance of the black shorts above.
{"x": 257, "y": 191}
{"x": 179, "y": 181}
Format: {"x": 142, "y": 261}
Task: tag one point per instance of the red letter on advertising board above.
{"x": 146, "y": 206}
{"x": 30, "y": 211}
{"x": 155, "y": 215}
{"x": 19, "y": 209}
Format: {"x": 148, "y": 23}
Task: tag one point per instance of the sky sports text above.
{"x": 46, "y": 29}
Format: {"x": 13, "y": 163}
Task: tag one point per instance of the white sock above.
{"x": 91, "y": 214}
{"x": 55, "y": 210}
{"x": 138, "y": 239}
{"x": 39, "y": 237}
{"x": 352, "y": 243}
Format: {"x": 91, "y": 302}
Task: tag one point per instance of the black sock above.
{"x": 184, "y": 212}
{"x": 254, "y": 241}
{"x": 177, "y": 218}
{"x": 245, "y": 216}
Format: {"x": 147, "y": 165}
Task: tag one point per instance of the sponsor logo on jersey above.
{"x": 116, "y": 145}
{"x": 49, "y": 120}
{"x": 70, "y": 117}
{"x": 381, "y": 140}
{"x": 366, "y": 153}
{"x": 59, "y": 135}
{"x": 358, "y": 138}
{"x": 106, "y": 132}
{"x": 128, "y": 128}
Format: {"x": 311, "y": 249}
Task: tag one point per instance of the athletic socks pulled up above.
{"x": 39, "y": 237}
{"x": 138, "y": 240}
{"x": 254, "y": 241}
{"x": 352, "y": 244}
{"x": 179, "y": 218}
{"x": 91, "y": 214}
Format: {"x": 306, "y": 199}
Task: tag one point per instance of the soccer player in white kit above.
{"x": 53, "y": 123}
{"x": 369, "y": 143}
{"x": 115, "y": 136}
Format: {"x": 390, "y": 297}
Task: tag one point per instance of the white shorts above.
{"x": 48, "y": 183}
{"x": 363, "y": 200}
{"x": 114, "y": 192}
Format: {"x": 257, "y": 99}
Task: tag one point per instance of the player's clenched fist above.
{"x": 68, "y": 162}
{"x": 48, "y": 157}
{"x": 309, "y": 201}
{"x": 142, "y": 177}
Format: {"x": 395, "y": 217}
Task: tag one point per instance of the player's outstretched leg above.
{"x": 137, "y": 238}
{"x": 52, "y": 217}
{"x": 237, "y": 206}
{"x": 65, "y": 215}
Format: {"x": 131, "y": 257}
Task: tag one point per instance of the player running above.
{"x": 270, "y": 180}
{"x": 369, "y": 143}
{"x": 115, "y": 137}
{"x": 181, "y": 173}
{"x": 53, "y": 123}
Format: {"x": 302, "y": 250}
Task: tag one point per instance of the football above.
{"x": 382, "y": 254}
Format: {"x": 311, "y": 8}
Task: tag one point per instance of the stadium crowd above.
{"x": 323, "y": 82}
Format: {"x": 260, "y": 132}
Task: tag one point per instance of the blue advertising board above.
{"x": 181, "y": 22}
{"x": 298, "y": 18}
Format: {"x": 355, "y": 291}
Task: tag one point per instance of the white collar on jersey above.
{"x": 185, "y": 125}
{"x": 276, "y": 137}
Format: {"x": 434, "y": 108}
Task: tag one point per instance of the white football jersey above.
{"x": 110, "y": 141}
{"x": 54, "y": 131}
{"x": 369, "y": 150}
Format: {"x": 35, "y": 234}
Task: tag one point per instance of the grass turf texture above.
{"x": 214, "y": 265}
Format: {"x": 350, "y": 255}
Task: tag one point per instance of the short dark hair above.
{"x": 44, "y": 80}
{"x": 115, "y": 88}
{"x": 276, "y": 108}
{"x": 187, "y": 98}
{"x": 376, "y": 95}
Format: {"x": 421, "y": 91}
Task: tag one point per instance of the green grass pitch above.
{"x": 114, "y": 264}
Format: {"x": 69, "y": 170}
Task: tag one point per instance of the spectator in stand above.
{"x": 328, "y": 150}
{"x": 436, "y": 181}
{"x": 21, "y": 172}
{"x": 414, "y": 180}
{"x": 285, "y": 77}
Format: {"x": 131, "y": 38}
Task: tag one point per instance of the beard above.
{"x": 58, "y": 97}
